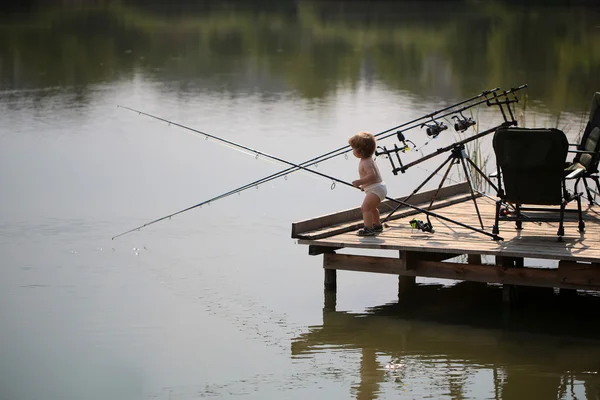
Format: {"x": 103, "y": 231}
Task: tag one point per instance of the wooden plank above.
{"x": 454, "y": 247}
{"x": 355, "y": 214}
{"x": 542, "y": 246}
{"x": 578, "y": 273}
{"x": 396, "y": 266}
{"x": 526, "y": 276}
{"x": 315, "y": 250}
{"x": 355, "y": 225}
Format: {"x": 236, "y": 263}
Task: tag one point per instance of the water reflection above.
{"x": 441, "y": 50}
{"x": 439, "y": 339}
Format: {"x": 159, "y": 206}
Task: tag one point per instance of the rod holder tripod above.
{"x": 457, "y": 156}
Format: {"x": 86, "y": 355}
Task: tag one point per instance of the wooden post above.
{"x": 330, "y": 280}
{"x": 330, "y": 274}
{"x": 330, "y": 297}
{"x": 474, "y": 259}
{"x": 564, "y": 293}
{"x": 406, "y": 284}
{"x": 510, "y": 293}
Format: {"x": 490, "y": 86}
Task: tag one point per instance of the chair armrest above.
{"x": 493, "y": 174}
{"x": 582, "y": 151}
{"x": 575, "y": 173}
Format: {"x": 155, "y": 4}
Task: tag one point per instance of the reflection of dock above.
{"x": 423, "y": 254}
{"x": 535, "y": 353}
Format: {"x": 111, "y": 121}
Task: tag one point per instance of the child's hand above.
{"x": 356, "y": 184}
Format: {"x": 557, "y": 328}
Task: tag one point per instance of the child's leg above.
{"x": 369, "y": 209}
{"x": 376, "y": 220}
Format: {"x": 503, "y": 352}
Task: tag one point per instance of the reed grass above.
{"x": 474, "y": 152}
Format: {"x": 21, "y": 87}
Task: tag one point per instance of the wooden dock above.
{"x": 455, "y": 252}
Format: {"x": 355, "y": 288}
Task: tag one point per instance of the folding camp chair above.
{"x": 530, "y": 170}
{"x": 588, "y": 151}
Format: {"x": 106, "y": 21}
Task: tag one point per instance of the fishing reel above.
{"x": 422, "y": 226}
{"x": 434, "y": 128}
{"x": 463, "y": 123}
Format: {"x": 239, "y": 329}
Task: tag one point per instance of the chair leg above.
{"x": 518, "y": 223}
{"x": 576, "y": 184}
{"x": 595, "y": 178}
{"x": 561, "y": 227}
{"x": 495, "y": 228}
{"x": 587, "y": 191}
{"x": 581, "y": 223}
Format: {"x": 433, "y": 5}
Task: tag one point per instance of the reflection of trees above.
{"x": 448, "y": 50}
{"x": 442, "y": 334}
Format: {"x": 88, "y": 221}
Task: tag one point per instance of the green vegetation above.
{"x": 449, "y": 50}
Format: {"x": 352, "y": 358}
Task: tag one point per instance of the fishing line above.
{"x": 334, "y": 153}
{"x": 247, "y": 152}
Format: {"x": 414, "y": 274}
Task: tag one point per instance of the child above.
{"x": 363, "y": 147}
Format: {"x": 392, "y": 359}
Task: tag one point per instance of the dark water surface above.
{"x": 219, "y": 301}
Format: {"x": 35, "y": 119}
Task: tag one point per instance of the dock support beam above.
{"x": 474, "y": 259}
{"x": 509, "y": 271}
{"x": 330, "y": 280}
{"x": 329, "y": 300}
{"x": 330, "y": 274}
{"x": 510, "y": 293}
{"x": 406, "y": 284}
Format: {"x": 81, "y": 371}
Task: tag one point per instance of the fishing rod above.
{"x": 457, "y": 147}
{"x": 313, "y": 161}
{"x": 329, "y": 177}
{"x": 346, "y": 148}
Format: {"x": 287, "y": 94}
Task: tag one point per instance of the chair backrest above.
{"x": 531, "y": 164}
{"x": 590, "y": 140}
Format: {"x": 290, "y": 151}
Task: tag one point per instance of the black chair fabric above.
{"x": 590, "y": 141}
{"x": 588, "y": 152}
{"x": 531, "y": 163}
{"x": 531, "y": 172}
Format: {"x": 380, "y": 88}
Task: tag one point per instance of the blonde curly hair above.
{"x": 364, "y": 143}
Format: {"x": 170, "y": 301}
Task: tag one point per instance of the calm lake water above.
{"x": 220, "y": 302}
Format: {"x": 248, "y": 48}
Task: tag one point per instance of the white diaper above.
{"x": 379, "y": 189}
